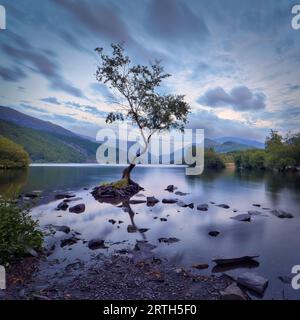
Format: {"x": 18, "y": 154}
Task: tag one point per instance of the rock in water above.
{"x": 253, "y": 282}
{"x": 168, "y": 240}
{"x": 202, "y": 207}
{"x": 171, "y": 188}
{"x": 151, "y": 201}
{"x": 131, "y": 229}
{"x": 79, "y": 208}
{"x": 64, "y": 229}
{"x": 282, "y": 214}
{"x": 200, "y": 266}
{"x": 232, "y": 260}
{"x": 64, "y": 195}
{"x": 179, "y": 193}
{"x": 62, "y": 206}
{"x": 256, "y": 204}
{"x": 233, "y": 292}
{"x": 224, "y": 206}
{"x": 136, "y": 201}
{"x": 242, "y": 217}
{"x": 169, "y": 200}
{"x": 214, "y": 233}
{"x": 96, "y": 244}
{"x": 185, "y": 205}
{"x": 254, "y": 212}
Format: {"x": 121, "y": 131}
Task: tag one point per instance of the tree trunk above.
{"x": 127, "y": 171}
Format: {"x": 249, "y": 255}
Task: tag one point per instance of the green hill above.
{"x": 12, "y": 155}
{"x": 44, "y": 146}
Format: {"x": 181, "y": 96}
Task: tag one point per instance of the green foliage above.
{"x": 212, "y": 160}
{"x": 49, "y": 147}
{"x": 12, "y": 155}
{"x": 136, "y": 87}
{"x": 18, "y": 232}
{"x": 117, "y": 184}
{"x": 281, "y": 154}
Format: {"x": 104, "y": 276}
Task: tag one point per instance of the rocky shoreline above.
{"x": 129, "y": 273}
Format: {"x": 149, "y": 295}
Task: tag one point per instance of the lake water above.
{"x": 275, "y": 240}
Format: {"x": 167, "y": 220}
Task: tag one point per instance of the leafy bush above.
{"x": 18, "y": 232}
{"x": 12, "y": 155}
{"x": 212, "y": 160}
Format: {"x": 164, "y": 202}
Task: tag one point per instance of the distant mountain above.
{"x": 230, "y": 146}
{"x": 45, "y": 141}
{"x": 248, "y": 142}
{"x": 23, "y": 120}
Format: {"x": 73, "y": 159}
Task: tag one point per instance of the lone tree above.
{"x": 138, "y": 101}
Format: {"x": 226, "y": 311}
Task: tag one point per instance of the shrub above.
{"x": 212, "y": 160}
{"x": 18, "y": 232}
{"x": 12, "y": 155}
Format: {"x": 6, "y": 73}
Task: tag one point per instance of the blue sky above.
{"x": 237, "y": 62}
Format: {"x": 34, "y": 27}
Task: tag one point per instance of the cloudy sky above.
{"x": 237, "y": 62}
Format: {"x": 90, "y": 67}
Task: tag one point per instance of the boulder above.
{"x": 202, "y": 207}
{"x": 151, "y": 201}
{"x": 282, "y": 214}
{"x": 163, "y": 219}
{"x": 169, "y": 200}
{"x": 96, "y": 244}
{"x": 224, "y": 206}
{"x": 112, "y": 221}
{"x": 242, "y": 217}
{"x": 79, "y": 208}
{"x": 253, "y": 282}
{"x": 32, "y": 195}
{"x": 214, "y": 233}
{"x": 232, "y": 260}
{"x": 232, "y": 292}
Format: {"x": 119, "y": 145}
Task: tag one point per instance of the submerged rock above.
{"x": 214, "y": 233}
{"x": 168, "y": 240}
{"x": 64, "y": 195}
{"x": 169, "y": 200}
{"x": 79, "y": 208}
{"x": 232, "y": 292}
{"x": 64, "y": 229}
{"x": 202, "y": 207}
{"x": 68, "y": 241}
{"x": 253, "y": 282}
{"x": 96, "y": 244}
{"x": 200, "y": 266}
{"x": 136, "y": 201}
{"x": 232, "y": 260}
{"x": 282, "y": 214}
{"x": 184, "y": 204}
{"x": 224, "y": 206}
{"x": 143, "y": 230}
{"x": 254, "y": 212}
{"x": 179, "y": 193}
{"x": 242, "y": 217}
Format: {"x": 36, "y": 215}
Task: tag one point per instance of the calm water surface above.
{"x": 275, "y": 240}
